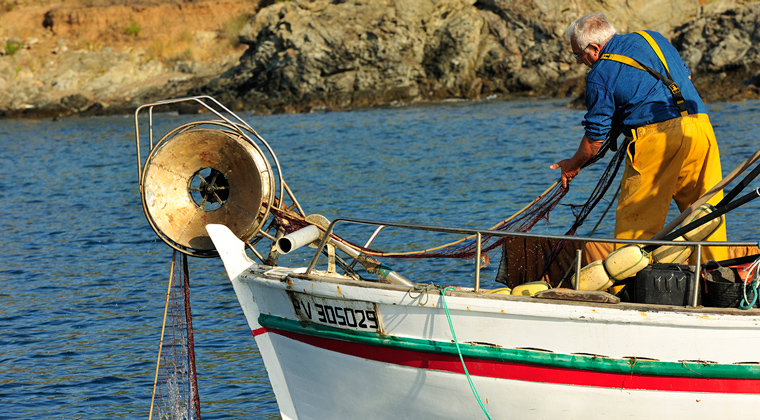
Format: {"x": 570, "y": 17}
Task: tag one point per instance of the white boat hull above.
{"x": 340, "y": 349}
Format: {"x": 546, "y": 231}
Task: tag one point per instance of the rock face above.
{"x": 306, "y": 54}
{"x": 723, "y": 53}
{"x": 65, "y": 57}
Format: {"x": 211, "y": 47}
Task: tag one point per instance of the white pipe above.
{"x": 311, "y": 233}
{"x": 297, "y": 239}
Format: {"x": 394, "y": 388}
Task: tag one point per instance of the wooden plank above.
{"x": 581, "y": 295}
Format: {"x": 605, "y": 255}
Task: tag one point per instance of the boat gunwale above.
{"x": 629, "y": 306}
{"x": 478, "y": 236}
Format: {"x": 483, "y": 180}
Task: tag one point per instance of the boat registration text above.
{"x": 336, "y": 313}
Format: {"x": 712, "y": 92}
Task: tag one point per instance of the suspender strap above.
{"x": 656, "y": 49}
{"x": 675, "y": 91}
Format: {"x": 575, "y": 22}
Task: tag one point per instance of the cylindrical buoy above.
{"x": 702, "y": 232}
{"x": 593, "y": 277}
{"x": 672, "y": 254}
{"x": 297, "y": 239}
{"x": 626, "y": 261}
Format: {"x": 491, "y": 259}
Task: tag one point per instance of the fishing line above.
{"x": 464, "y": 248}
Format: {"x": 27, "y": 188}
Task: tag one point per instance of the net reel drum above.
{"x": 197, "y": 176}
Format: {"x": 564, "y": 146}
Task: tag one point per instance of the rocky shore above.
{"x": 94, "y": 57}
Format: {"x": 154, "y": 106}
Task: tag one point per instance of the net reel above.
{"x": 201, "y": 173}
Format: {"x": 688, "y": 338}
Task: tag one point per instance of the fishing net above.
{"x": 523, "y": 221}
{"x": 175, "y": 390}
{"x": 581, "y": 212}
{"x": 465, "y": 248}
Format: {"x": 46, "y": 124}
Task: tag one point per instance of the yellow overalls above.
{"x": 674, "y": 159}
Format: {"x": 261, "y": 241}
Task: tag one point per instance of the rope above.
{"x": 190, "y": 341}
{"x": 161, "y": 342}
{"x": 753, "y": 284}
{"x": 471, "y": 237}
{"x": 422, "y": 290}
{"x": 458, "y": 248}
{"x": 451, "y": 326}
{"x": 609, "y": 206}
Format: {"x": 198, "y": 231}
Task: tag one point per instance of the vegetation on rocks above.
{"x": 66, "y": 57}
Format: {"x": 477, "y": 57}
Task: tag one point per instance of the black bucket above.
{"x": 724, "y": 295}
{"x": 724, "y": 288}
{"x": 665, "y": 284}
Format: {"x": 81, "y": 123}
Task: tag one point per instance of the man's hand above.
{"x": 569, "y": 170}
{"x": 570, "y": 167}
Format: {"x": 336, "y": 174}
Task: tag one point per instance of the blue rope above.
{"x": 753, "y": 284}
{"x": 451, "y": 326}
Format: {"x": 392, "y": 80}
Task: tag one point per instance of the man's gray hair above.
{"x": 593, "y": 28}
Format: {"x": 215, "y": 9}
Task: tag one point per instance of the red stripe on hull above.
{"x": 259, "y": 331}
{"x": 525, "y": 371}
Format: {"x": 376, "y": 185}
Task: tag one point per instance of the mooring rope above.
{"x": 459, "y": 350}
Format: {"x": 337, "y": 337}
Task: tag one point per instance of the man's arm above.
{"x": 570, "y": 167}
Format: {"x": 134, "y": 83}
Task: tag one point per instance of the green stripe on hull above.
{"x": 631, "y": 366}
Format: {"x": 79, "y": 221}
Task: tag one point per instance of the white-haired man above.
{"x": 639, "y": 84}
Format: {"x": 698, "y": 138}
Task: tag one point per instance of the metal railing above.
{"x": 480, "y": 233}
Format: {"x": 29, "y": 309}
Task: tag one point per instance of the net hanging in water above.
{"x": 175, "y": 388}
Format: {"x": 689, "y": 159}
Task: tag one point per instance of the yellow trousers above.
{"x": 675, "y": 159}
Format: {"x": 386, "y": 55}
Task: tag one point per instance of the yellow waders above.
{"x": 674, "y": 159}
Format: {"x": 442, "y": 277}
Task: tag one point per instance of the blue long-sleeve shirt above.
{"x": 619, "y": 94}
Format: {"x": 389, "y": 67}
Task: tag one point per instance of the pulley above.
{"x": 199, "y": 176}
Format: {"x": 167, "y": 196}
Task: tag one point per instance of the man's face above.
{"x": 585, "y": 54}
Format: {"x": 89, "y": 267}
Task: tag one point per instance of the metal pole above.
{"x": 368, "y": 243}
{"x": 698, "y": 274}
{"x": 477, "y": 263}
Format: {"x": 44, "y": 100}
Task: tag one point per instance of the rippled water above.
{"x": 83, "y": 277}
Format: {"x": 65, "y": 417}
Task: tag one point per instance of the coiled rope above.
{"x": 459, "y": 350}
{"x": 751, "y": 286}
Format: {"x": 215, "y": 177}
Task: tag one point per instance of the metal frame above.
{"x": 200, "y": 101}
{"x": 233, "y": 123}
{"x": 480, "y": 233}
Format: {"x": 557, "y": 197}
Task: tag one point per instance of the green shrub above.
{"x": 12, "y": 47}
{"x": 234, "y": 26}
{"x": 133, "y": 29}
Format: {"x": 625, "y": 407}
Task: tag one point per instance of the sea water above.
{"x": 83, "y": 276}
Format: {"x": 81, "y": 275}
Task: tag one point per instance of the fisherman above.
{"x": 638, "y": 84}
